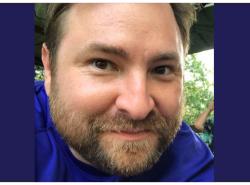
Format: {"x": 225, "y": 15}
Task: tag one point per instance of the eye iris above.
{"x": 101, "y": 64}
{"x": 160, "y": 70}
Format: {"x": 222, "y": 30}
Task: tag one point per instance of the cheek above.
{"x": 86, "y": 94}
{"x": 169, "y": 99}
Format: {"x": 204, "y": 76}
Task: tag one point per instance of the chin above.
{"x": 128, "y": 157}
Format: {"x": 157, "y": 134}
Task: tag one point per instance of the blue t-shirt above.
{"x": 186, "y": 159}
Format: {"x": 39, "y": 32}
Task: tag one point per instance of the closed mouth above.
{"x": 131, "y": 134}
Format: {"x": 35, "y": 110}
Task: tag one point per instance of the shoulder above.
{"x": 40, "y": 94}
{"x": 42, "y": 115}
{"x": 49, "y": 155}
{"x": 193, "y": 154}
{"x": 186, "y": 159}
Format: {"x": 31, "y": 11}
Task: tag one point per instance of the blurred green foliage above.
{"x": 207, "y": 135}
{"x": 39, "y": 73}
{"x": 198, "y": 94}
{"x": 198, "y": 90}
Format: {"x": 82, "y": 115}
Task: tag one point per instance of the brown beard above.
{"x": 90, "y": 136}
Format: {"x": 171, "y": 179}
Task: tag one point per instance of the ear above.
{"x": 47, "y": 68}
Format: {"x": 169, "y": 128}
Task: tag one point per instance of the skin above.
{"x": 140, "y": 70}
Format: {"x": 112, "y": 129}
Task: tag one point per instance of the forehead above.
{"x": 126, "y": 12}
{"x": 122, "y": 24}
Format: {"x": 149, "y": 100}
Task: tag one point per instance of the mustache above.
{"x": 121, "y": 122}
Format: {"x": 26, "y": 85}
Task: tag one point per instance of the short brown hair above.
{"x": 185, "y": 16}
{"x": 53, "y": 29}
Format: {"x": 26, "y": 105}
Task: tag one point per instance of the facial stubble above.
{"x": 91, "y": 136}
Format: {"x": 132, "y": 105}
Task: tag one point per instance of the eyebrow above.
{"x": 169, "y": 56}
{"x": 117, "y": 51}
{"x": 120, "y": 52}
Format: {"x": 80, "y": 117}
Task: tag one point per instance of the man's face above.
{"x": 116, "y": 97}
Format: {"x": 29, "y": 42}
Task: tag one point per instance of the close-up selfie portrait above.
{"x": 124, "y": 92}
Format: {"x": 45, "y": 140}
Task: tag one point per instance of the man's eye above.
{"x": 161, "y": 70}
{"x": 102, "y": 64}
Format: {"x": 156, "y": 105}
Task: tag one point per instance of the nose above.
{"x": 135, "y": 99}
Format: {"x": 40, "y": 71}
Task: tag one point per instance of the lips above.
{"x": 131, "y": 134}
{"x": 131, "y": 130}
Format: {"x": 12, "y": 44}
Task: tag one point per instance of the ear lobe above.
{"x": 47, "y": 68}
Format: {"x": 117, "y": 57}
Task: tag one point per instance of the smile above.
{"x": 131, "y": 135}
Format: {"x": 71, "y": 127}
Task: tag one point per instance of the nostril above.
{"x": 123, "y": 113}
{"x": 136, "y": 103}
